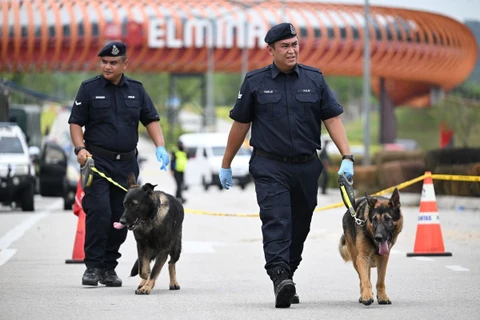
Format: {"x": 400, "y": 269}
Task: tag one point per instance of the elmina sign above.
{"x": 202, "y": 32}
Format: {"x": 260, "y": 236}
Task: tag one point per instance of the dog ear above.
{"x": 370, "y": 200}
{"x": 148, "y": 188}
{"x": 394, "y": 201}
{"x": 131, "y": 181}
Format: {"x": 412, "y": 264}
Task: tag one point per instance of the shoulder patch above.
{"x": 309, "y": 68}
{"x": 91, "y": 80}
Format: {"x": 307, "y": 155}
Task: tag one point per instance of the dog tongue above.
{"x": 383, "y": 248}
{"x": 118, "y": 225}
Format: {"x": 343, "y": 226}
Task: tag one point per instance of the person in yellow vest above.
{"x": 178, "y": 166}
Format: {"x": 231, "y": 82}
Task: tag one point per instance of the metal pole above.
{"x": 366, "y": 87}
{"x": 245, "y": 48}
{"x": 209, "y": 108}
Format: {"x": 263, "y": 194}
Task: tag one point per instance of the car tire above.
{"x": 205, "y": 184}
{"x": 27, "y": 199}
{"x": 67, "y": 205}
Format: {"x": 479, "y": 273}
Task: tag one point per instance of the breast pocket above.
{"x": 101, "y": 109}
{"x": 307, "y": 101}
{"x": 132, "y": 114}
{"x": 269, "y": 107}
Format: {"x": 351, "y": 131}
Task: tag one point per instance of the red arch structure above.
{"x": 411, "y": 51}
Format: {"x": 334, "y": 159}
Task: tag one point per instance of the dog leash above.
{"x": 87, "y": 175}
{"x": 346, "y": 191}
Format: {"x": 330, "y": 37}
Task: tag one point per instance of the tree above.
{"x": 462, "y": 115}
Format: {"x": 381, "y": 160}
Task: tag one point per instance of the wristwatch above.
{"x": 77, "y": 149}
{"x": 349, "y": 157}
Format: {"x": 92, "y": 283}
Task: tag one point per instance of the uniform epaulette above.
{"x": 254, "y": 72}
{"x": 133, "y": 80}
{"x": 309, "y": 68}
{"x": 91, "y": 80}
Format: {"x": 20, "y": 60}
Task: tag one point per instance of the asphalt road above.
{"x": 221, "y": 270}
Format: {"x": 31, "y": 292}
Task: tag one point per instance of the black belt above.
{"x": 292, "y": 160}
{"x": 112, "y": 155}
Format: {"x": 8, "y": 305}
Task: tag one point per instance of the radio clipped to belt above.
{"x": 86, "y": 173}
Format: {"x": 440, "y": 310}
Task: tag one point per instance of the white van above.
{"x": 205, "y": 152}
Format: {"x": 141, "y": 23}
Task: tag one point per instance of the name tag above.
{"x": 99, "y": 97}
{"x": 267, "y": 91}
{"x": 131, "y": 97}
{"x": 306, "y": 90}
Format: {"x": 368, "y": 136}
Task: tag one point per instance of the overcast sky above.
{"x": 458, "y": 9}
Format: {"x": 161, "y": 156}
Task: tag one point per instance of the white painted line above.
{"x": 457, "y": 268}
{"x": 6, "y": 254}
{"x": 424, "y": 259}
{"x": 19, "y": 230}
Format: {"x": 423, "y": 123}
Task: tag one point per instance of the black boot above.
{"x": 295, "y": 298}
{"x": 110, "y": 279}
{"x": 92, "y": 276}
{"x": 284, "y": 287}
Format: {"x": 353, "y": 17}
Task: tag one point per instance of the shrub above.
{"x": 396, "y": 172}
{"x": 458, "y": 188}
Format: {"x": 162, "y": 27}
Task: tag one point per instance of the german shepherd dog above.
{"x": 155, "y": 218}
{"x": 368, "y": 245}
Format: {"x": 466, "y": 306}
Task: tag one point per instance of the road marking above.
{"x": 6, "y": 254}
{"x": 457, "y": 268}
{"x": 19, "y": 230}
{"x": 424, "y": 259}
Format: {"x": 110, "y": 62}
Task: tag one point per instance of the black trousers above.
{"x": 179, "y": 180}
{"x": 103, "y": 205}
{"x": 287, "y": 196}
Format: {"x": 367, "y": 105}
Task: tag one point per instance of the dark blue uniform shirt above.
{"x": 285, "y": 110}
{"x": 111, "y": 113}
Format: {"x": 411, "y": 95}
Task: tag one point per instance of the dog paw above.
{"x": 386, "y": 301}
{"x": 366, "y": 301}
{"x": 175, "y": 286}
{"x": 142, "y": 291}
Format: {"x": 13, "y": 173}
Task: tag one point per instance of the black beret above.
{"x": 113, "y": 49}
{"x": 280, "y": 32}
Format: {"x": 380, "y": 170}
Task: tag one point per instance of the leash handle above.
{"x": 346, "y": 189}
{"x": 348, "y": 197}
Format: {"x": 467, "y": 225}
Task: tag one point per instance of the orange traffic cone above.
{"x": 429, "y": 240}
{"x": 78, "y": 247}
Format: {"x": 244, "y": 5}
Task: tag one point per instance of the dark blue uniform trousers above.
{"x": 287, "y": 196}
{"x": 103, "y": 205}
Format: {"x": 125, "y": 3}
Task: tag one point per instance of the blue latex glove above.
{"x": 226, "y": 178}
{"x": 346, "y": 167}
{"x": 162, "y": 156}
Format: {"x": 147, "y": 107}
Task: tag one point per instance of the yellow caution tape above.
{"x": 456, "y": 177}
{"x": 219, "y": 214}
{"x": 332, "y": 206}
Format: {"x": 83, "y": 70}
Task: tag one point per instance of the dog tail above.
{"x": 134, "y": 271}
{"x": 342, "y": 248}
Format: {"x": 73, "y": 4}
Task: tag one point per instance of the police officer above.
{"x": 178, "y": 166}
{"x": 110, "y": 107}
{"x": 285, "y": 104}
